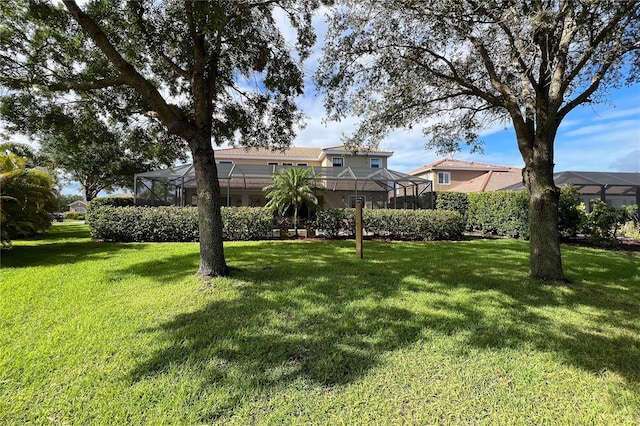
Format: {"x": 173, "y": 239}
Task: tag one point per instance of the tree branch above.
{"x": 170, "y": 116}
{"x": 87, "y": 85}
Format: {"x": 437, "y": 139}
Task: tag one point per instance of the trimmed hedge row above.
{"x": 503, "y": 213}
{"x": 169, "y": 223}
{"x": 506, "y": 213}
{"x": 425, "y": 225}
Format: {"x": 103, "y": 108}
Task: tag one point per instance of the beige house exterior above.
{"x": 79, "y": 206}
{"x": 342, "y": 194}
{"x": 339, "y": 194}
{"x": 347, "y": 175}
{"x": 468, "y": 176}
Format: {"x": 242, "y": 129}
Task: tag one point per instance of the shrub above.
{"x": 246, "y": 223}
{"x": 604, "y": 221}
{"x": 334, "y": 222}
{"x": 570, "y": 216}
{"x": 503, "y": 213}
{"x": 456, "y": 201}
{"x": 26, "y": 199}
{"x": 74, "y": 215}
{"x": 392, "y": 223}
{"x": 170, "y": 223}
{"x": 143, "y": 223}
{"x": 111, "y": 201}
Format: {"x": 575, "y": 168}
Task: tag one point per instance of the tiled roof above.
{"x": 292, "y": 152}
{"x": 357, "y": 149}
{"x": 490, "y": 181}
{"x": 451, "y": 164}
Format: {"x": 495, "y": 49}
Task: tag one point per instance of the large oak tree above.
{"x": 456, "y": 66}
{"x": 209, "y": 71}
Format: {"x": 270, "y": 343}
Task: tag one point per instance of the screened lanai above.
{"x": 615, "y": 188}
{"x": 241, "y": 184}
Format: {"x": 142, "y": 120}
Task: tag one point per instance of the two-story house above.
{"x": 346, "y": 174}
{"x": 468, "y": 176}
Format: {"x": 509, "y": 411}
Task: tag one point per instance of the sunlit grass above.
{"x": 305, "y": 333}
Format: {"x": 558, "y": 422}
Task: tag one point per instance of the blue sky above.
{"x": 602, "y": 137}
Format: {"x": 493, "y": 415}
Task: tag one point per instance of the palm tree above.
{"x": 295, "y": 187}
{"x": 26, "y": 199}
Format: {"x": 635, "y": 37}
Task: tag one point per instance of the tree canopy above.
{"x": 84, "y": 148}
{"x": 208, "y": 72}
{"x": 454, "y": 67}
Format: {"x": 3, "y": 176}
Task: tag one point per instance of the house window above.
{"x": 338, "y": 161}
{"x": 273, "y": 164}
{"x": 444, "y": 178}
{"x": 287, "y": 164}
{"x": 225, "y": 162}
{"x": 302, "y": 164}
{"x": 375, "y": 163}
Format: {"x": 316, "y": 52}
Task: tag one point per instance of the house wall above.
{"x": 457, "y": 177}
{"x": 267, "y": 160}
{"x": 350, "y": 160}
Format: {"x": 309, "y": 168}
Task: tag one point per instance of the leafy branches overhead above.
{"x": 151, "y": 54}
{"x": 455, "y": 67}
{"x": 98, "y": 154}
{"x": 471, "y": 63}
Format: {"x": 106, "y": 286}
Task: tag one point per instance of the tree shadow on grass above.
{"x": 64, "y": 243}
{"x": 62, "y": 253}
{"x": 312, "y": 313}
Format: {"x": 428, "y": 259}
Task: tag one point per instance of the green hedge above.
{"x": 503, "y": 213}
{"x": 456, "y": 201}
{"x": 247, "y": 223}
{"x": 74, "y": 215}
{"x": 111, "y": 201}
{"x": 398, "y": 224}
{"x": 169, "y": 223}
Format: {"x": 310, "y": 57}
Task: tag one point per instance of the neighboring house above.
{"x": 346, "y": 175}
{"x": 468, "y": 176}
{"x": 78, "y": 206}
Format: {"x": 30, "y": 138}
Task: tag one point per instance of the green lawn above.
{"x": 305, "y": 333}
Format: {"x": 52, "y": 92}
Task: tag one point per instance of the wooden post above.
{"x": 359, "y": 229}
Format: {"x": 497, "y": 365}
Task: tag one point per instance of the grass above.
{"x": 304, "y": 333}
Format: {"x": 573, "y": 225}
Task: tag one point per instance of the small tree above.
{"x": 295, "y": 187}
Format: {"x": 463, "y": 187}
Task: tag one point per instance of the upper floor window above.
{"x": 376, "y": 163}
{"x": 338, "y": 161}
{"x": 444, "y": 178}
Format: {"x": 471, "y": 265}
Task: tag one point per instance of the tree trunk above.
{"x": 212, "y": 262}
{"x": 545, "y": 257}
